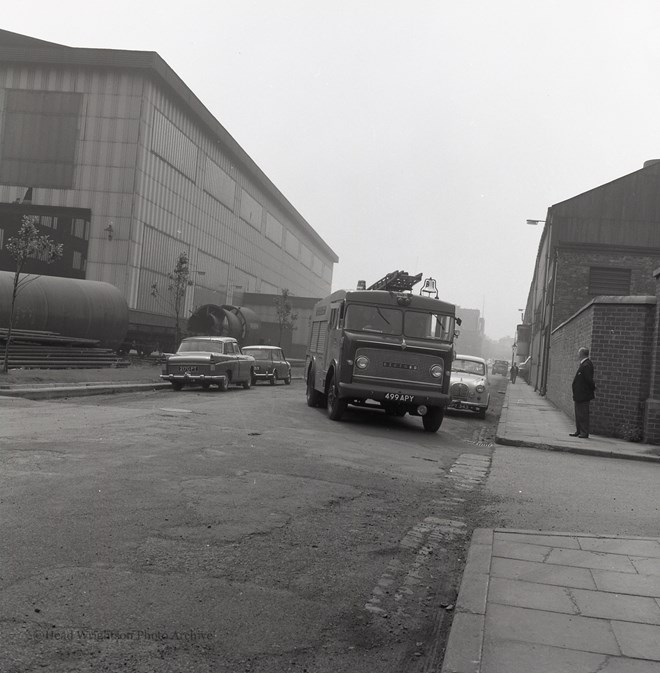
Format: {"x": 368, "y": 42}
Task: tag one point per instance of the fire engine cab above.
{"x": 383, "y": 346}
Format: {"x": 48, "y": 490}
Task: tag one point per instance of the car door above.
{"x": 279, "y": 363}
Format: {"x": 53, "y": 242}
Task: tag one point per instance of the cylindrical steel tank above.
{"x": 234, "y": 321}
{"x": 85, "y": 309}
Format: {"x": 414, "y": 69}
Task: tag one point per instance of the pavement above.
{"x": 548, "y": 602}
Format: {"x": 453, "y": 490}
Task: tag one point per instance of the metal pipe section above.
{"x": 233, "y": 321}
{"x": 86, "y": 309}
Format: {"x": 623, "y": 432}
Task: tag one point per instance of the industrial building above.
{"x": 122, "y": 163}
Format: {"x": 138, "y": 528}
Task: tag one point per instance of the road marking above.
{"x": 177, "y": 411}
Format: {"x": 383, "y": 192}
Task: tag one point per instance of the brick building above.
{"x": 604, "y": 242}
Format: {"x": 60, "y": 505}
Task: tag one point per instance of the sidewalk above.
{"x": 534, "y": 602}
{"x": 528, "y": 419}
{"x": 547, "y": 602}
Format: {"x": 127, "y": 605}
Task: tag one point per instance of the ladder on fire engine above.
{"x": 397, "y": 281}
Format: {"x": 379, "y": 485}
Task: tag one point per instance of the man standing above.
{"x": 583, "y": 393}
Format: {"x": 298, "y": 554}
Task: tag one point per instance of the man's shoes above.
{"x": 583, "y": 436}
{"x": 574, "y": 434}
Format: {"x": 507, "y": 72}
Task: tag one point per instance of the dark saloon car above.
{"x": 269, "y": 364}
{"x": 207, "y": 360}
{"x": 500, "y": 367}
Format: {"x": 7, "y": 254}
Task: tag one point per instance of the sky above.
{"x": 411, "y": 134}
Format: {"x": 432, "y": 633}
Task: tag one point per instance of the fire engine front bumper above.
{"x": 392, "y": 394}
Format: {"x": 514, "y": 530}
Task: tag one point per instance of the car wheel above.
{"x": 176, "y": 385}
{"x": 224, "y": 385}
{"x": 314, "y": 397}
{"x": 336, "y": 406}
{"x": 481, "y": 413}
{"x": 247, "y": 384}
{"x": 253, "y": 380}
{"x": 432, "y": 419}
{"x": 287, "y": 380}
{"x": 273, "y": 378}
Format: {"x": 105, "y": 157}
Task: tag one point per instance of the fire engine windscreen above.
{"x": 414, "y": 324}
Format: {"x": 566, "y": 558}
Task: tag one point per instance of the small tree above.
{"x": 286, "y": 318}
{"x": 177, "y": 283}
{"x": 29, "y": 244}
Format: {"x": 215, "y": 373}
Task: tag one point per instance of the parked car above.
{"x": 469, "y": 387}
{"x": 269, "y": 364}
{"x": 206, "y": 361}
{"x": 500, "y": 367}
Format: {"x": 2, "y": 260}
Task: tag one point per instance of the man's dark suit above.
{"x": 583, "y": 393}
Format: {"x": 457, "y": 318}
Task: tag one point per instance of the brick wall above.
{"x": 619, "y": 332}
{"x": 572, "y": 285}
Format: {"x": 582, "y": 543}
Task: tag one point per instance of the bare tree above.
{"x": 286, "y": 318}
{"x": 29, "y": 244}
{"x": 177, "y": 283}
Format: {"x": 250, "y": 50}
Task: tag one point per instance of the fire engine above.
{"x": 383, "y": 346}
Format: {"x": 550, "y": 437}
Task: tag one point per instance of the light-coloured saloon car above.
{"x": 469, "y": 387}
{"x": 207, "y": 360}
{"x": 269, "y": 364}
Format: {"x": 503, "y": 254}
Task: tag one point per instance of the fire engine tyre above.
{"x": 224, "y": 385}
{"x": 432, "y": 419}
{"x": 336, "y": 406}
{"x": 273, "y": 379}
{"x": 314, "y": 397}
{"x": 176, "y": 385}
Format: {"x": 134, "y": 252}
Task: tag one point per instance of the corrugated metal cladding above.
{"x": 157, "y": 178}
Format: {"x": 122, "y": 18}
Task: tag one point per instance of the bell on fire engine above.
{"x": 430, "y": 288}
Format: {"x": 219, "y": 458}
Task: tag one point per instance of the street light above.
{"x": 535, "y": 222}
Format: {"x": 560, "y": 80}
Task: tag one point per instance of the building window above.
{"x": 609, "y": 281}
{"x": 2, "y": 238}
{"x": 80, "y": 229}
{"x": 77, "y": 260}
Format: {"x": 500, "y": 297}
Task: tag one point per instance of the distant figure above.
{"x": 583, "y": 393}
{"x": 514, "y": 372}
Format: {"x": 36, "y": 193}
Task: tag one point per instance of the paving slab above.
{"x": 571, "y": 609}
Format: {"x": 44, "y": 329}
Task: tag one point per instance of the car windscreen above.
{"x": 258, "y": 353}
{"x": 428, "y": 325}
{"x": 468, "y": 367}
{"x": 198, "y": 345}
{"x": 378, "y": 319}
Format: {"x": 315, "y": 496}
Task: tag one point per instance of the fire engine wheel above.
{"x": 432, "y": 419}
{"x": 336, "y": 406}
{"x": 314, "y": 397}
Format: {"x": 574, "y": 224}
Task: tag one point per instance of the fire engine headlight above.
{"x": 480, "y": 388}
{"x": 362, "y": 362}
{"x": 437, "y": 371}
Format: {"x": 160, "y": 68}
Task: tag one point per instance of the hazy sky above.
{"x": 411, "y": 134}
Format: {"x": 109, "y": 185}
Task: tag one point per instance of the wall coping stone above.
{"x": 611, "y": 299}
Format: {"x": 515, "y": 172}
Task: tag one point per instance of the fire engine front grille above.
{"x": 398, "y": 365}
{"x": 459, "y": 391}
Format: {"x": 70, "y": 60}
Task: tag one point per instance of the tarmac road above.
{"x": 239, "y": 531}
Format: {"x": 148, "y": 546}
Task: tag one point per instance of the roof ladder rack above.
{"x": 397, "y": 281}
